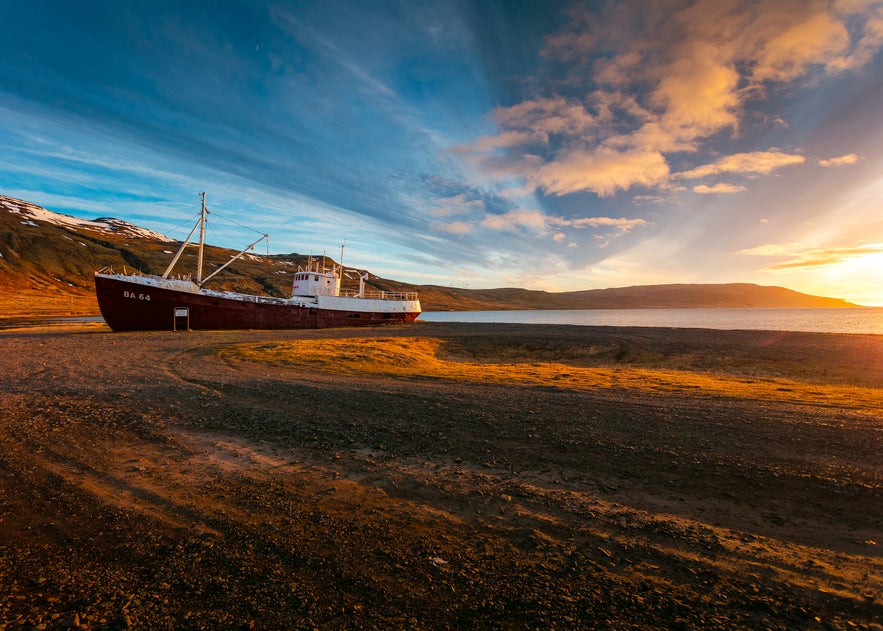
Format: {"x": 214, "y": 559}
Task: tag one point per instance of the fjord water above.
{"x": 864, "y": 320}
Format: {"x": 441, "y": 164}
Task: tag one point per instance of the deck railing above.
{"x": 379, "y": 295}
{"x": 347, "y": 293}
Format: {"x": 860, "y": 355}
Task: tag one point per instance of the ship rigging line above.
{"x": 214, "y": 214}
{"x": 265, "y": 236}
{"x": 201, "y": 225}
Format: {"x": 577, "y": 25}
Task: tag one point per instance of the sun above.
{"x": 860, "y": 277}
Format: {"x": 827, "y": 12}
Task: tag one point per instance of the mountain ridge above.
{"x": 665, "y": 296}
{"x": 47, "y": 262}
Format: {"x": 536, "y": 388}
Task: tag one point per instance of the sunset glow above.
{"x": 559, "y": 146}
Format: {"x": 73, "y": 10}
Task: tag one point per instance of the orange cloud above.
{"x": 819, "y": 38}
{"x": 502, "y": 141}
{"x": 756, "y": 162}
{"x": 669, "y": 79}
{"x": 603, "y": 171}
{"x": 871, "y": 37}
{"x": 548, "y": 116}
{"x": 798, "y": 256}
{"x": 840, "y": 161}
{"x": 718, "y": 188}
{"x": 697, "y": 94}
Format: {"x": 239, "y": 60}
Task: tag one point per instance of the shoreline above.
{"x": 707, "y": 319}
{"x": 196, "y": 480}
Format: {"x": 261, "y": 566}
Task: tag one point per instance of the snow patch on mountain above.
{"x": 31, "y": 213}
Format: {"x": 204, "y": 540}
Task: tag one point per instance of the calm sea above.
{"x": 866, "y": 320}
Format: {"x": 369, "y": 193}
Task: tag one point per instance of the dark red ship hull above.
{"x": 131, "y": 306}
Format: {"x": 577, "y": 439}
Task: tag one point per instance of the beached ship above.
{"x": 142, "y": 302}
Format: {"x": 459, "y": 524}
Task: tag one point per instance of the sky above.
{"x": 551, "y": 145}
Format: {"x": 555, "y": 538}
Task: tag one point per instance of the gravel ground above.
{"x": 147, "y": 483}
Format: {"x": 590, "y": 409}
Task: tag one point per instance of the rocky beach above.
{"x": 440, "y": 476}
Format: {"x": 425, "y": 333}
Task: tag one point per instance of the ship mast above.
{"x": 201, "y": 241}
{"x": 201, "y": 225}
{"x": 340, "y": 271}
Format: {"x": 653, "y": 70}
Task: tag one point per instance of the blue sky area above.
{"x": 548, "y": 145}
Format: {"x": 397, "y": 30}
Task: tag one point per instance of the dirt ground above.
{"x": 587, "y": 478}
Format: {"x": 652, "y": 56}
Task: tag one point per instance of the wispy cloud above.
{"x": 458, "y": 204}
{"x": 717, "y": 189}
{"x": 757, "y": 162}
{"x": 532, "y": 220}
{"x": 538, "y": 223}
{"x": 800, "y": 256}
{"x": 621, "y": 225}
{"x": 458, "y": 228}
{"x": 302, "y": 32}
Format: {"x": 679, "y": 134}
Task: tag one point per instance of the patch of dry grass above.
{"x": 34, "y": 304}
{"x": 432, "y": 358}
